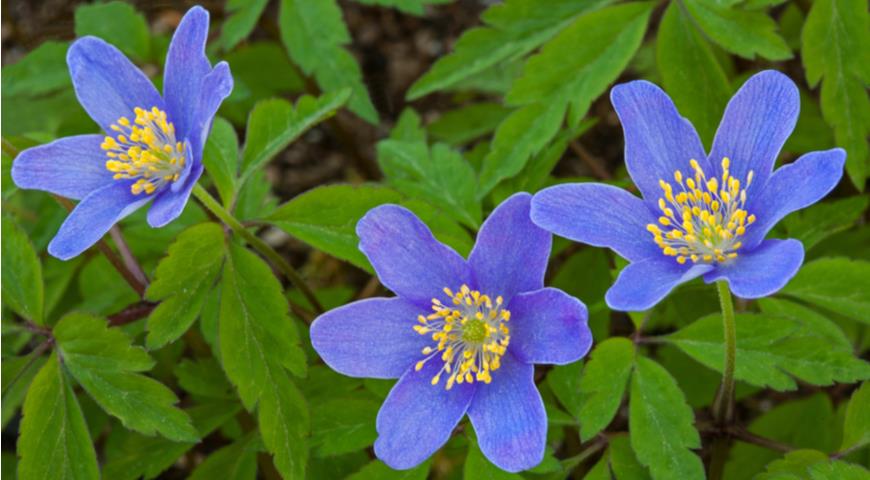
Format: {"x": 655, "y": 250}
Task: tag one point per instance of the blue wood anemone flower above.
{"x": 461, "y": 336}
{"x": 153, "y": 145}
{"x": 700, "y": 214}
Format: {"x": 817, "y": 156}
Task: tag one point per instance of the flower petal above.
{"x": 107, "y": 84}
{"x": 407, "y": 257}
{"x": 169, "y": 204}
{"x": 417, "y": 417}
{"x": 658, "y": 141}
{"x": 643, "y": 284}
{"x": 509, "y": 418}
{"x": 371, "y": 338}
{"x": 763, "y": 271}
{"x": 758, "y": 120}
{"x": 93, "y": 217}
{"x": 793, "y": 187}
{"x": 186, "y": 67}
{"x": 71, "y": 167}
{"x": 548, "y": 326}
{"x": 511, "y": 253}
{"x": 216, "y": 86}
{"x": 597, "y": 214}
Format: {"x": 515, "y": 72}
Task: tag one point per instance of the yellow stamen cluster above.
{"x": 702, "y": 219}
{"x": 144, "y": 149}
{"x": 470, "y": 335}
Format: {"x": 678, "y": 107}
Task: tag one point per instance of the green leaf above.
{"x": 41, "y": 71}
{"x": 477, "y": 467}
{"x": 258, "y": 344}
{"x": 203, "y": 377}
{"x": 54, "y": 440}
{"x": 603, "y": 384}
{"x": 793, "y": 465}
{"x": 691, "y": 72}
{"x": 314, "y": 34}
{"x": 578, "y": 64}
{"x": 326, "y": 218}
{"x": 221, "y": 157}
{"x": 343, "y": 425}
{"x": 778, "y": 423}
{"x": 512, "y": 30}
{"x": 117, "y": 23}
{"x": 439, "y": 176}
{"x": 769, "y": 348}
{"x": 856, "y": 426}
{"x": 236, "y": 461}
{"x": 378, "y": 470}
{"x": 274, "y": 124}
{"x": 243, "y": 16}
{"x": 21, "y": 288}
{"x": 623, "y": 461}
{"x": 837, "y": 284}
{"x": 182, "y": 282}
{"x": 105, "y": 364}
{"x": 524, "y": 133}
{"x": 742, "y": 32}
{"x": 130, "y": 455}
{"x": 837, "y": 470}
{"x": 660, "y": 424}
{"x": 835, "y": 42}
{"x": 460, "y": 126}
{"x": 414, "y": 7}
{"x": 564, "y": 381}
{"x": 18, "y": 373}
{"x": 814, "y": 224}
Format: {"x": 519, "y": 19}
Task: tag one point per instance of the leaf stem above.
{"x": 723, "y": 406}
{"x": 229, "y": 220}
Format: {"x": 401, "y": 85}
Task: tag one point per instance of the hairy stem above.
{"x": 723, "y": 406}
{"x": 274, "y": 257}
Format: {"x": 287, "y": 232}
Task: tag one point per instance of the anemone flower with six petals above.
{"x": 700, "y": 214}
{"x": 153, "y": 145}
{"x": 461, "y": 336}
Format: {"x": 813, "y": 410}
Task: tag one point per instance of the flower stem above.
{"x": 723, "y": 406}
{"x": 229, "y": 220}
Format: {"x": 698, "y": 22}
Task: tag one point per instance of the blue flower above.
{"x": 461, "y": 336}
{"x": 153, "y": 145}
{"x": 700, "y": 214}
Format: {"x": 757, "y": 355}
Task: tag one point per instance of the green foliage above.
{"x": 105, "y": 363}
{"x": 835, "y": 41}
{"x": 117, "y": 23}
{"x": 314, "y": 34}
{"x": 660, "y": 424}
{"x": 54, "y": 441}
{"x": 22, "y": 288}
{"x": 99, "y": 381}
{"x": 258, "y": 346}
{"x": 182, "y": 281}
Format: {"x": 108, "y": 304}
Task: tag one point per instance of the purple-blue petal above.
{"x": 658, "y": 140}
{"x": 372, "y": 338}
{"x": 216, "y": 86}
{"x": 509, "y": 418}
{"x": 186, "y": 67}
{"x": 107, "y": 84}
{"x": 406, "y": 256}
{"x": 169, "y": 203}
{"x": 511, "y": 253}
{"x": 792, "y": 187}
{"x": 762, "y": 271}
{"x": 93, "y": 217}
{"x": 643, "y": 284}
{"x": 548, "y": 326}
{"x": 417, "y": 417}
{"x": 757, "y": 122}
{"x": 71, "y": 167}
{"x": 599, "y": 215}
